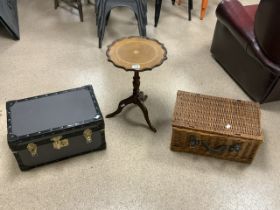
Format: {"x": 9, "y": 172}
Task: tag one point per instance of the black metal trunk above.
{"x": 55, "y": 126}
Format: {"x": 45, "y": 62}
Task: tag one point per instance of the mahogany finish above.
{"x": 136, "y": 54}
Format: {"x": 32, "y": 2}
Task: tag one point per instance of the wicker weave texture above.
{"x": 181, "y": 142}
{"x": 218, "y": 127}
{"x": 217, "y": 115}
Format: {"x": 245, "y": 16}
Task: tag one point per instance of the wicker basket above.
{"x": 218, "y": 127}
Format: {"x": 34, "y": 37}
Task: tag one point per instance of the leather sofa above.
{"x": 246, "y": 43}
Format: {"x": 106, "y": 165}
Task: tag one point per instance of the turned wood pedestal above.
{"x": 136, "y": 54}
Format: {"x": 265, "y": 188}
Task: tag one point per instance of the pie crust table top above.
{"x": 136, "y": 53}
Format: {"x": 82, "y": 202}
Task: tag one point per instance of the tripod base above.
{"x": 137, "y": 98}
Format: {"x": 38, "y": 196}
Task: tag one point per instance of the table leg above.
{"x": 146, "y": 114}
{"x": 122, "y": 104}
{"x": 137, "y": 98}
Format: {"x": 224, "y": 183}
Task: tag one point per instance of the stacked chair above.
{"x": 104, "y": 7}
{"x": 77, "y": 4}
{"x": 9, "y": 17}
{"x": 190, "y": 6}
{"x": 158, "y": 8}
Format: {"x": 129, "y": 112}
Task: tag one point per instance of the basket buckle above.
{"x": 193, "y": 141}
{"x": 235, "y": 148}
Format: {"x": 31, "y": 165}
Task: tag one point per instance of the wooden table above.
{"x": 136, "y": 54}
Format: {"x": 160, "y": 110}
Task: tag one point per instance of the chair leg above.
{"x": 190, "y": 7}
{"x": 56, "y": 4}
{"x": 80, "y": 8}
{"x": 204, "y": 5}
{"x": 107, "y": 18}
{"x": 157, "y": 11}
{"x": 99, "y": 43}
{"x": 100, "y": 32}
{"x": 100, "y": 35}
{"x": 144, "y": 33}
{"x": 141, "y": 25}
{"x": 173, "y": 2}
{"x": 101, "y": 27}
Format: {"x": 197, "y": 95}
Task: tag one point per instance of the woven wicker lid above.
{"x": 217, "y": 115}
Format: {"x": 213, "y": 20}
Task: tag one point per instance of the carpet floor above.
{"x": 137, "y": 170}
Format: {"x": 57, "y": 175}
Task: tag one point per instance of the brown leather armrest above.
{"x": 232, "y": 14}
